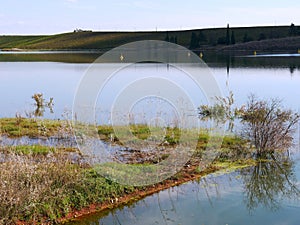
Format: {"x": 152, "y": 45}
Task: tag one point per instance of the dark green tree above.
{"x": 194, "y": 41}
{"x": 293, "y": 30}
{"x": 222, "y": 40}
{"x": 212, "y": 40}
{"x": 202, "y": 38}
{"x": 262, "y": 36}
{"x": 172, "y": 40}
{"x": 228, "y": 35}
{"x": 167, "y": 37}
{"x": 232, "y": 38}
{"x": 246, "y": 38}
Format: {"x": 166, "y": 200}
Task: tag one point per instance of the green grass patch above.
{"x": 225, "y": 167}
{"x": 141, "y": 131}
{"x": 33, "y": 150}
{"x": 18, "y": 127}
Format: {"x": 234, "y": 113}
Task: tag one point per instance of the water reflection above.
{"x": 252, "y": 196}
{"x": 292, "y": 68}
{"x": 230, "y": 61}
{"x": 50, "y": 56}
{"x": 213, "y": 59}
{"x": 269, "y": 182}
{"x": 41, "y": 105}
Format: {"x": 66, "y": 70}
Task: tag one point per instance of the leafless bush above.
{"x": 41, "y": 104}
{"x": 267, "y": 125}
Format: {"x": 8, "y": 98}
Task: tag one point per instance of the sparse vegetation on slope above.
{"x": 195, "y": 39}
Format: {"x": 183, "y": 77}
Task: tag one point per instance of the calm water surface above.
{"x": 20, "y": 80}
{"x": 260, "y": 195}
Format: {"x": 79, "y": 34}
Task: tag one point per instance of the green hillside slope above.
{"x": 214, "y": 38}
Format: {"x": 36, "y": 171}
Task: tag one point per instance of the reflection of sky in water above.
{"x": 264, "y": 83}
{"x": 20, "y": 80}
{"x": 150, "y": 106}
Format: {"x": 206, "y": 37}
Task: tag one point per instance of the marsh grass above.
{"x": 43, "y": 191}
{"x": 31, "y": 127}
{"x": 40, "y": 185}
{"x": 16, "y": 127}
{"x": 33, "y": 150}
{"x": 32, "y": 191}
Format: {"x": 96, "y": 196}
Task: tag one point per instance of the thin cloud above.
{"x": 21, "y": 22}
{"x": 145, "y": 5}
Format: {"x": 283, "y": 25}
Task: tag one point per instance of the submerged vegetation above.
{"x": 40, "y": 184}
{"x": 266, "y": 125}
{"x": 41, "y": 105}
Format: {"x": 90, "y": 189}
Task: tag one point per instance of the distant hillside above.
{"x": 280, "y": 44}
{"x": 215, "y": 38}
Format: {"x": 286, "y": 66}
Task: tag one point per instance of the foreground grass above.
{"x": 44, "y": 192}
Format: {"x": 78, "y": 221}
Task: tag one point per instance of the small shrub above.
{"x": 268, "y": 125}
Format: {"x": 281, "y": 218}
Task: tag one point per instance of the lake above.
{"x": 249, "y": 196}
{"x": 58, "y": 76}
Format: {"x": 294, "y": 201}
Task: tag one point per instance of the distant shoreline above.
{"x": 268, "y": 38}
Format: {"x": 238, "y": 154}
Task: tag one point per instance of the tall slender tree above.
{"x": 293, "y": 30}
{"x": 194, "y": 41}
{"x": 202, "y": 38}
{"x": 175, "y": 40}
{"x": 228, "y": 35}
{"x": 167, "y": 37}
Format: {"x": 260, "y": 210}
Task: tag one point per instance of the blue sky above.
{"x": 57, "y": 16}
